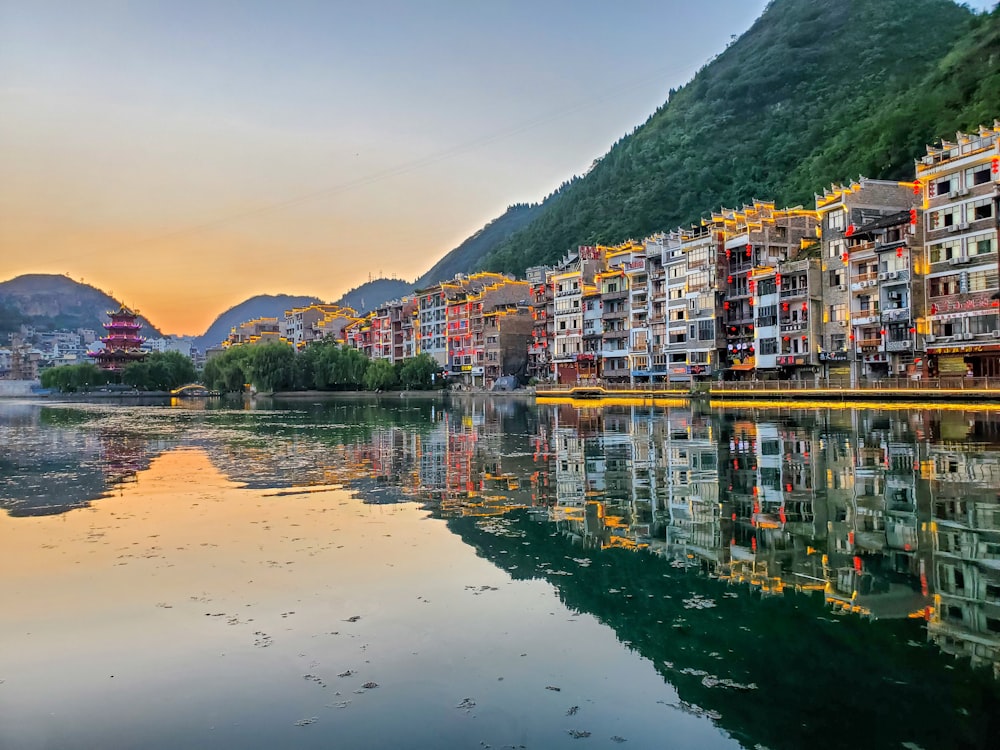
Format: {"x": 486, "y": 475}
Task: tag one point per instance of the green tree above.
{"x": 380, "y": 375}
{"x": 71, "y": 378}
{"x": 228, "y": 371}
{"x": 418, "y": 372}
{"x": 272, "y": 366}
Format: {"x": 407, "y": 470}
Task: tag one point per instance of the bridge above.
{"x": 193, "y": 390}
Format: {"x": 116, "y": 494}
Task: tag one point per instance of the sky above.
{"x": 185, "y": 155}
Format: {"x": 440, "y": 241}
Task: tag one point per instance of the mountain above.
{"x": 469, "y": 254}
{"x": 52, "y": 302}
{"x": 261, "y": 306}
{"x": 371, "y": 294}
{"x": 815, "y": 92}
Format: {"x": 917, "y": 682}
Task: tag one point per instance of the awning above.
{"x": 742, "y": 367}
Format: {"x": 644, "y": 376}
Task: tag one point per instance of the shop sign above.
{"x": 964, "y": 349}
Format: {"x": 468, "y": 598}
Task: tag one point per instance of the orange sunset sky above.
{"x": 184, "y": 156}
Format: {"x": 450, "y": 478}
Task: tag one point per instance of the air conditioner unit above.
{"x": 842, "y": 287}
{"x": 843, "y": 323}
{"x": 929, "y": 338}
{"x": 963, "y": 226}
{"x": 967, "y": 336}
{"x": 954, "y": 261}
{"x": 883, "y": 276}
{"x": 893, "y": 274}
{"x": 963, "y": 191}
{"x": 953, "y": 194}
{"x": 953, "y": 228}
{"x": 901, "y": 368}
{"x": 996, "y": 334}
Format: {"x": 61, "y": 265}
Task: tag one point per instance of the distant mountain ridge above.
{"x": 366, "y": 297}
{"x": 261, "y": 306}
{"x": 54, "y": 302}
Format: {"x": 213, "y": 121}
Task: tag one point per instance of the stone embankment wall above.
{"x": 13, "y": 388}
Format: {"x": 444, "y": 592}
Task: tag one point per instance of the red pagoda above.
{"x": 122, "y": 343}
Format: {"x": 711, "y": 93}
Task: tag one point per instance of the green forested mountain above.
{"x": 466, "y": 256}
{"x": 815, "y": 92}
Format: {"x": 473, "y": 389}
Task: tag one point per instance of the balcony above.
{"x": 800, "y": 291}
{"x": 793, "y": 326}
{"x": 875, "y": 343}
{"x": 899, "y": 346}
{"x": 896, "y": 315}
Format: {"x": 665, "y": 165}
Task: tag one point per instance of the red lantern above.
{"x": 852, "y": 337}
{"x": 913, "y": 216}
{"x": 804, "y": 337}
{"x": 725, "y": 305}
{"x": 777, "y": 279}
{"x": 899, "y": 252}
{"x": 849, "y": 231}
{"x": 729, "y": 254}
{"x": 729, "y": 279}
{"x": 805, "y": 306}
{"x": 996, "y": 166}
{"x": 844, "y": 257}
{"x": 784, "y": 306}
{"x": 934, "y": 309}
{"x": 913, "y": 330}
{"x": 749, "y": 250}
{"x": 916, "y": 187}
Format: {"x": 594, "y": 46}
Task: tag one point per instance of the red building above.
{"x": 122, "y": 342}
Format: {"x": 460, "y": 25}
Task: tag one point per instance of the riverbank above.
{"x": 791, "y": 392}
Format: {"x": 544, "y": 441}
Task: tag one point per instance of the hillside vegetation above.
{"x": 815, "y": 92}
{"x": 52, "y": 301}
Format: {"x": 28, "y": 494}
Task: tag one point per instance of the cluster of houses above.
{"x": 878, "y": 279}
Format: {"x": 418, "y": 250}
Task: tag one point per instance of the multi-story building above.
{"x": 959, "y": 183}
{"x": 759, "y": 239}
{"x": 873, "y": 280}
{"x": 540, "y": 298}
{"x": 301, "y": 325}
{"x": 466, "y": 313}
{"x": 613, "y": 284}
{"x": 256, "y": 331}
{"x": 507, "y": 333}
{"x": 570, "y": 282}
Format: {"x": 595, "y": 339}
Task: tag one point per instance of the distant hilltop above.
{"x": 53, "y": 302}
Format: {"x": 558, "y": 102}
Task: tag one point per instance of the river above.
{"x": 407, "y": 573}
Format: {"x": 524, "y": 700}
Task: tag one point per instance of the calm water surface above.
{"x": 404, "y": 573}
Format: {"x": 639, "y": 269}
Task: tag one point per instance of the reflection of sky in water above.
{"x": 217, "y": 581}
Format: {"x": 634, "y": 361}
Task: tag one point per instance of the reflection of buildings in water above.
{"x": 964, "y": 479}
{"x": 123, "y": 456}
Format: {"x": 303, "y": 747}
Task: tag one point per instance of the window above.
{"x": 977, "y": 175}
{"x": 943, "y": 187}
{"x": 698, "y": 281}
{"x": 980, "y": 281}
{"x": 980, "y": 244}
{"x": 943, "y": 218}
{"x": 766, "y": 286}
{"x": 697, "y": 256}
{"x": 945, "y": 251}
{"x": 983, "y": 323}
{"x": 838, "y": 311}
{"x": 836, "y": 248}
{"x": 768, "y": 346}
{"x": 706, "y": 330}
{"x": 837, "y": 220}
{"x": 979, "y": 210}
{"x": 941, "y": 286}
{"x": 676, "y": 315}
{"x": 837, "y": 277}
